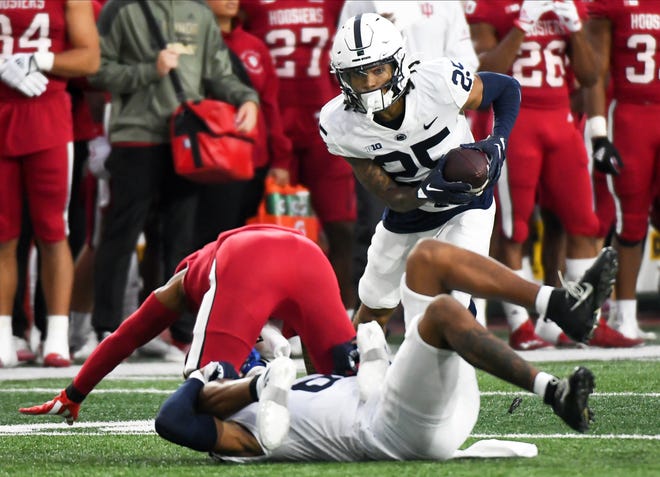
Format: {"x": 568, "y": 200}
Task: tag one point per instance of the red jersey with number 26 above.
{"x": 635, "y": 55}
{"x": 299, "y": 34}
{"x": 28, "y": 26}
{"x": 540, "y": 65}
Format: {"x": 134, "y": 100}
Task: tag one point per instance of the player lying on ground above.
{"x": 426, "y": 404}
{"x": 234, "y": 285}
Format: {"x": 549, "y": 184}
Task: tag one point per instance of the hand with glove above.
{"x": 606, "y": 158}
{"x": 60, "y": 405}
{"x": 22, "y": 71}
{"x": 568, "y": 15}
{"x": 495, "y": 148}
{"x": 438, "y": 190}
{"x": 99, "y": 150}
{"x": 530, "y": 12}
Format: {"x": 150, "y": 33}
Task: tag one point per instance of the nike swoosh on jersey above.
{"x": 426, "y": 126}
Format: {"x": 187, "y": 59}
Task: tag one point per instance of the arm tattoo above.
{"x": 401, "y": 198}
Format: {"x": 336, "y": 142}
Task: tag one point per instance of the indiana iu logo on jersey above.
{"x": 426, "y": 9}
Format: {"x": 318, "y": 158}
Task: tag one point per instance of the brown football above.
{"x": 466, "y": 165}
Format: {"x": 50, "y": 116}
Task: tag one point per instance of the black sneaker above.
{"x": 575, "y": 306}
{"x": 569, "y": 398}
{"x": 602, "y": 274}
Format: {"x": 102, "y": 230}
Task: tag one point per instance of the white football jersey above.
{"x": 433, "y": 124}
{"x": 325, "y": 424}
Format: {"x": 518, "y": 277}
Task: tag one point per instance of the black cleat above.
{"x": 569, "y": 398}
{"x": 575, "y": 306}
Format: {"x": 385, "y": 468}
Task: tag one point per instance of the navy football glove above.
{"x": 605, "y": 156}
{"x": 495, "y": 148}
{"x": 442, "y": 192}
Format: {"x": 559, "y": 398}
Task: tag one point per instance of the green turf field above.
{"x": 114, "y": 435}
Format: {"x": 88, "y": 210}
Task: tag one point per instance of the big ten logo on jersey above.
{"x": 461, "y": 77}
{"x": 373, "y": 147}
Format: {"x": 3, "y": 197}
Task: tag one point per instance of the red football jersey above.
{"x": 28, "y": 27}
{"x": 541, "y": 63}
{"x": 272, "y": 148}
{"x": 635, "y": 57}
{"x": 299, "y": 34}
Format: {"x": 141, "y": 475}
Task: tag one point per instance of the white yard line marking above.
{"x": 569, "y": 436}
{"x": 146, "y": 427}
{"x": 96, "y": 391}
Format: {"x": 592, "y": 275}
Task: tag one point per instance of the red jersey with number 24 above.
{"x": 32, "y": 26}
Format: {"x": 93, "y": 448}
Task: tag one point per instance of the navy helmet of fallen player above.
{"x": 364, "y": 42}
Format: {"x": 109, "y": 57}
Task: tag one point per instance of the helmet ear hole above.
{"x": 365, "y": 41}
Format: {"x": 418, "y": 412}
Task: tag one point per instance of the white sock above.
{"x": 5, "y": 323}
{"x": 57, "y": 336}
{"x": 7, "y": 352}
{"x": 575, "y": 267}
{"x": 542, "y": 299}
{"x": 516, "y": 315}
{"x": 541, "y": 383}
{"x": 626, "y": 313}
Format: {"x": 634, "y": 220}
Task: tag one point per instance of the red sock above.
{"x": 142, "y": 326}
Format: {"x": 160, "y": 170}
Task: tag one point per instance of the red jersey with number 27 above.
{"x": 299, "y": 34}
{"x": 635, "y": 54}
{"x": 30, "y": 26}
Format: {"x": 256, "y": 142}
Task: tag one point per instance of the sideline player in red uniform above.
{"x": 299, "y": 34}
{"x": 43, "y": 43}
{"x": 546, "y": 161}
{"x": 235, "y": 285}
{"x": 626, "y": 35}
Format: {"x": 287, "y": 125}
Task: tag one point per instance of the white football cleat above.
{"x": 374, "y": 358}
{"x": 273, "y": 417}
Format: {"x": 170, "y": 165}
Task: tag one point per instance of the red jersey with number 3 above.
{"x": 299, "y": 34}
{"x": 540, "y": 65}
{"x": 635, "y": 57}
{"x": 28, "y": 26}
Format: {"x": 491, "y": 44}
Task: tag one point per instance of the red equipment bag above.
{"x": 206, "y": 147}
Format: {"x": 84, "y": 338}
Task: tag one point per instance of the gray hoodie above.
{"x": 142, "y": 102}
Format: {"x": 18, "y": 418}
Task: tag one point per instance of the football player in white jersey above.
{"x": 425, "y": 404}
{"x": 393, "y": 122}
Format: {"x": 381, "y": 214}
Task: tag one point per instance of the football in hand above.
{"x": 466, "y": 165}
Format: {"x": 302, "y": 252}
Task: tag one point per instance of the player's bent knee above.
{"x": 426, "y": 253}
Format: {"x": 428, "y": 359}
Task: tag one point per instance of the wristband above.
{"x": 44, "y": 61}
{"x": 596, "y": 126}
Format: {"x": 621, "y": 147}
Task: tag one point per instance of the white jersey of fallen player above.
{"x": 325, "y": 424}
{"x": 426, "y": 408}
{"x": 433, "y": 124}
